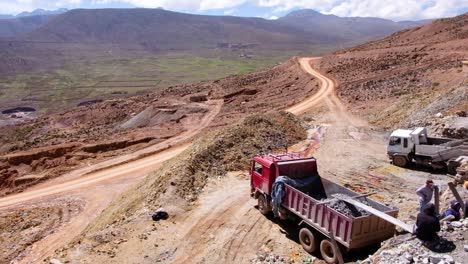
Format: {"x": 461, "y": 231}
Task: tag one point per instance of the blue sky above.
{"x": 270, "y": 9}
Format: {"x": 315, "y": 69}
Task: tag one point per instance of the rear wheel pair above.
{"x": 309, "y": 242}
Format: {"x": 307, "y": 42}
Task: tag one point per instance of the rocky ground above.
{"x": 452, "y": 248}
{"x": 20, "y": 229}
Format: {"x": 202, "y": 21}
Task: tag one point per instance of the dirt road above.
{"x": 98, "y": 185}
{"x": 224, "y": 226}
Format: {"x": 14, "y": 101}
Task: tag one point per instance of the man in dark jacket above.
{"x": 453, "y": 213}
{"x": 427, "y": 224}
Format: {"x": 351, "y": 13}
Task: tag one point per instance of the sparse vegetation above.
{"x": 91, "y": 79}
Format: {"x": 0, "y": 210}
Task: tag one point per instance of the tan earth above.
{"x": 223, "y": 225}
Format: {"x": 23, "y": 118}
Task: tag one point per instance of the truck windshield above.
{"x": 297, "y": 169}
{"x": 394, "y": 141}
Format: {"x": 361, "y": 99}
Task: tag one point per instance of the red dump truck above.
{"x": 322, "y": 226}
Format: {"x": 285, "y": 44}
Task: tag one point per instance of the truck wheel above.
{"x": 263, "y": 205}
{"x": 307, "y": 240}
{"x": 452, "y": 167}
{"x": 400, "y": 161}
{"x": 328, "y": 251}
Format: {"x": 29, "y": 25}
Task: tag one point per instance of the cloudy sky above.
{"x": 391, "y": 9}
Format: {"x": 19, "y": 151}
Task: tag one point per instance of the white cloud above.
{"x": 273, "y": 18}
{"x": 285, "y": 5}
{"x": 229, "y": 12}
{"x": 182, "y": 5}
{"x": 17, "y": 6}
{"x": 399, "y": 9}
{"x": 390, "y": 9}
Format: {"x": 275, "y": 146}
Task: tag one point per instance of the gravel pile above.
{"x": 345, "y": 208}
{"x": 454, "y": 231}
{"x": 451, "y": 249}
{"x": 270, "y": 258}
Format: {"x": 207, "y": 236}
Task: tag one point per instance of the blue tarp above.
{"x": 279, "y": 190}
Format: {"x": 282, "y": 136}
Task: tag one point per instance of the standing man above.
{"x": 425, "y": 194}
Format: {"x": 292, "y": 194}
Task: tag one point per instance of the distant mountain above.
{"x": 42, "y": 12}
{"x": 25, "y": 22}
{"x": 20, "y": 25}
{"x": 144, "y": 32}
{"x": 6, "y": 16}
{"x": 346, "y": 28}
{"x": 164, "y": 29}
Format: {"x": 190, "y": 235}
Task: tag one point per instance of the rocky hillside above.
{"x": 407, "y": 78}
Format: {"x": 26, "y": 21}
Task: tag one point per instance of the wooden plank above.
{"x": 378, "y": 213}
{"x": 451, "y": 185}
{"x": 437, "y": 199}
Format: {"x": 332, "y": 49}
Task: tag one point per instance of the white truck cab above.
{"x": 400, "y": 142}
{"x": 408, "y": 146}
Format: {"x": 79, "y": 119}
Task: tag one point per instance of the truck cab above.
{"x": 402, "y": 144}
{"x": 265, "y": 169}
{"x": 408, "y": 146}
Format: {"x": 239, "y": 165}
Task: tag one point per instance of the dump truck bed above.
{"x": 443, "y": 152}
{"x": 351, "y": 232}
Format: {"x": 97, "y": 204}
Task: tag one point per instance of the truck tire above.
{"x": 328, "y": 251}
{"x": 452, "y": 167}
{"x": 400, "y": 161}
{"x": 308, "y": 240}
{"x": 263, "y": 205}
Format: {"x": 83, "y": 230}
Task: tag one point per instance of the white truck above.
{"x": 414, "y": 146}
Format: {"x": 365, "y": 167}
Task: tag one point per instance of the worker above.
{"x": 425, "y": 194}
{"x": 453, "y": 213}
{"x": 427, "y": 224}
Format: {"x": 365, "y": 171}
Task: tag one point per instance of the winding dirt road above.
{"x": 224, "y": 226}
{"x": 326, "y": 94}
{"x": 233, "y": 216}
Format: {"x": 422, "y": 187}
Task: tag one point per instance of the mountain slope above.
{"x": 408, "y": 77}
{"x": 346, "y": 28}
{"x": 166, "y": 29}
{"x": 16, "y": 26}
{"x": 42, "y": 12}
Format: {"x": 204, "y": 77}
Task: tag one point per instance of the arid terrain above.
{"x": 83, "y": 55}
{"x": 81, "y": 184}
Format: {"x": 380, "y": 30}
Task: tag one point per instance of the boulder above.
{"x": 55, "y": 261}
